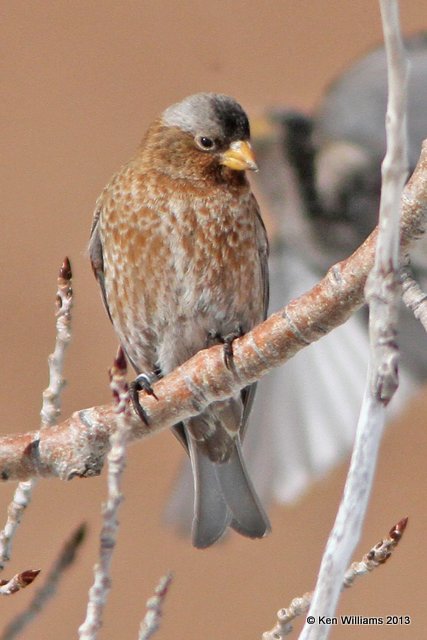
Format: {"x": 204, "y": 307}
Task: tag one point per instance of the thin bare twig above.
{"x": 51, "y": 405}
{"x": 382, "y": 292}
{"x": 152, "y": 618}
{"x": 377, "y": 556}
{"x": 100, "y": 589}
{"x": 18, "y": 582}
{"x": 383, "y": 284}
{"x": 48, "y": 590}
{"x": 15, "y": 511}
{"x": 51, "y": 408}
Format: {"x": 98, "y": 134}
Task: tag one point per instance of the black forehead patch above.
{"x": 231, "y": 118}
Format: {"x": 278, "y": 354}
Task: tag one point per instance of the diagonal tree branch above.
{"x": 77, "y": 446}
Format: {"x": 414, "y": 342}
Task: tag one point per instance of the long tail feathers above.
{"x": 249, "y": 518}
{"x": 224, "y": 497}
{"x": 211, "y": 515}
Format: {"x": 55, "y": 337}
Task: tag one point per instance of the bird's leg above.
{"x": 214, "y": 338}
{"x": 142, "y": 382}
{"x": 228, "y": 345}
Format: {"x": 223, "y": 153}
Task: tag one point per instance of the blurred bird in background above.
{"x": 320, "y": 180}
{"x": 180, "y": 252}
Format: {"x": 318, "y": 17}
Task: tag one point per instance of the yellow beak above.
{"x": 239, "y": 156}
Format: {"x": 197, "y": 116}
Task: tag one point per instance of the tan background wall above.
{"x": 81, "y": 81}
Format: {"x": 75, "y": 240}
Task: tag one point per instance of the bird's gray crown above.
{"x": 210, "y": 114}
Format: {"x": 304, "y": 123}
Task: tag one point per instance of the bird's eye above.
{"x": 205, "y": 143}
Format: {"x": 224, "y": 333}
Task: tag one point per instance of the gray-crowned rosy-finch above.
{"x": 180, "y": 252}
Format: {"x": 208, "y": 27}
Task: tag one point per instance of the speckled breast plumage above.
{"x": 180, "y": 261}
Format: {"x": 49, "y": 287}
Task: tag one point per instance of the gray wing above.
{"x": 248, "y": 393}
{"x": 262, "y": 243}
{"x": 96, "y": 257}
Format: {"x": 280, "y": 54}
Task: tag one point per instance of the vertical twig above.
{"x": 51, "y": 407}
{"x": 383, "y": 285}
{"x": 100, "y": 589}
{"x": 382, "y": 292}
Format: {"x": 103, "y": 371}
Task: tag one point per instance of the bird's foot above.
{"x": 227, "y": 341}
{"x": 142, "y": 382}
{"x": 228, "y": 346}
